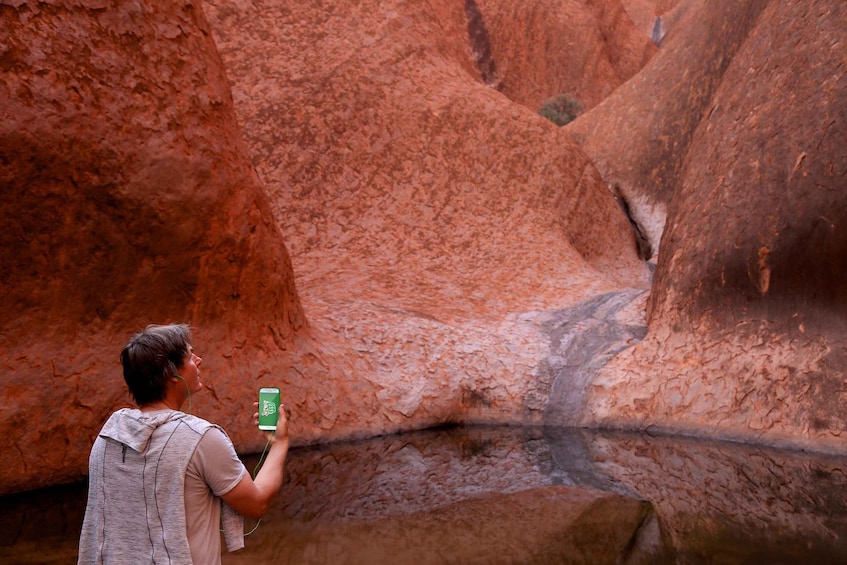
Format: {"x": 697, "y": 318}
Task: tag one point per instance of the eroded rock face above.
{"x": 543, "y": 48}
{"x": 128, "y": 198}
{"x": 432, "y": 222}
{"x": 458, "y": 257}
{"x": 640, "y": 135}
{"x": 434, "y": 225}
{"x": 747, "y": 328}
{"x": 644, "y": 13}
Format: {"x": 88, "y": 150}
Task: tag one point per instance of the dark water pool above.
{"x": 514, "y": 495}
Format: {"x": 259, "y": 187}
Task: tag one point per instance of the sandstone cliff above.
{"x": 747, "y": 309}
{"x": 129, "y": 198}
{"x": 432, "y": 222}
{"x": 347, "y": 201}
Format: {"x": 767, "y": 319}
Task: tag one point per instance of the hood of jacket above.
{"x": 133, "y": 428}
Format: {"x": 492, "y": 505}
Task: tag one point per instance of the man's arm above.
{"x": 251, "y": 497}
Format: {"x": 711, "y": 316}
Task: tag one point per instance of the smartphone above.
{"x": 268, "y": 408}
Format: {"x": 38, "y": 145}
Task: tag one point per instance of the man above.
{"x": 157, "y": 476}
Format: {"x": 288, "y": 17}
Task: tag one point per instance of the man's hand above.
{"x": 251, "y": 497}
{"x": 281, "y": 424}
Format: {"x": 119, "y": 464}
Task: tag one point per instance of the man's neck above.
{"x": 172, "y": 400}
{"x": 154, "y": 406}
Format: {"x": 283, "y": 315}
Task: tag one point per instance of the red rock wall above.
{"x": 640, "y": 135}
{"x": 747, "y": 332}
{"x": 458, "y": 257}
{"x": 128, "y": 198}
{"x": 547, "y": 47}
{"x": 643, "y": 13}
{"x": 432, "y": 223}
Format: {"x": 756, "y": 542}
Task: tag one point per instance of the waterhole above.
{"x": 513, "y": 495}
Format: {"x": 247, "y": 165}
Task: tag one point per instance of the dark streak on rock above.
{"x": 583, "y": 340}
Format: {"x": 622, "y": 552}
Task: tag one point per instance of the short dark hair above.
{"x": 153, "y": 356}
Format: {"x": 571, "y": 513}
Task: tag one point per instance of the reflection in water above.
{"x": 514, "y": 495}
{"x": 478, "y": 495}
{"x": 730, "y": 503}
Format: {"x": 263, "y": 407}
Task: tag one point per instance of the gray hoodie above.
{"x": 136, "y": 507}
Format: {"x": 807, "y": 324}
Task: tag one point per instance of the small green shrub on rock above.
{"x": 561, "y": 110}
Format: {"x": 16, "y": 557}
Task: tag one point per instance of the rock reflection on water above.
{"x": 470, "y": 495}
{"x": 729, "y": 503}
{"x": 515, "y": 495}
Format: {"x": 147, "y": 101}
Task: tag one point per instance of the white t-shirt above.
{"x": 214, "y": 470}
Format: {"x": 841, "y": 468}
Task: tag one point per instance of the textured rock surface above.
{"x": 583, "y": 340}
{"x": 435, "y": 226}
{"x": 457, "y": 257}
{"x": 640, "y": 135}
{"x": 128, "y": 198}
{"x": 746, "y": 318}
{"x": 644, "y": 13}
{"x": 542, "y": 48}
{"x": 432, "y": 222}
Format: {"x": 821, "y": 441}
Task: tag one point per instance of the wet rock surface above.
{"x": 584, "y": 338}
{"x": 546, "y": 525}
{"x": 753, "y": 504}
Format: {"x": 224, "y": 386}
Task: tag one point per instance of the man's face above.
{"x": 190, "y": 371}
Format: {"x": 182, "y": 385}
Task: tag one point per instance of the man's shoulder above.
{"x": 196, "y": 423}
{"x": 216, "y": 460}
{"x": 212, "y": 436}
{"x": 195, "y": 429}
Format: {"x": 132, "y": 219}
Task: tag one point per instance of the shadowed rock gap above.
{"x": 645, "y": 250}
{"x": 480, "y": 43}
